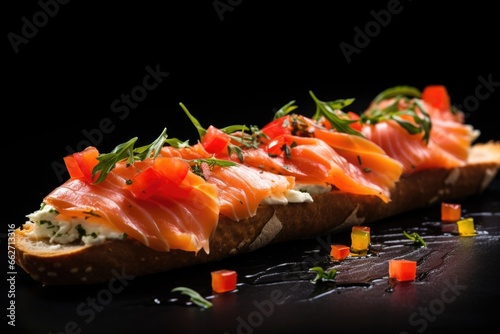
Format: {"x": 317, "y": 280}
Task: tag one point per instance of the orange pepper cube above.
{"x": 466, "y": 227}
{"x": 339, "y": 252}
{"x": 223, "y": 280}
{"x": 451, "y": 212}
{"x": 360, "y": 238}
{"x": 402, "y": 270}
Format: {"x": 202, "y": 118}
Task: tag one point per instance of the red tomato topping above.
{"x": 339, "y": 252}
{"x": 163, "y": 178}
{"x": 215, "y": 140}
{"x": 437, "y": 96}
{"x": 276, "y": 128}
{"x": 80, "y": 164}
{"x": 276, "y": 146}
{"x": 451, "y": 212}
{"x": 223, "y": 280}
{"x": 402, "y": 270}
{"x": 353, "y": 116}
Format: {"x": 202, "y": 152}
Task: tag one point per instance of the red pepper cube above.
{"x": 223, "y": 280}
{"x": 360, "y": 239}
{"x": 339, "y": 252}
{"x": 451, "y": 212}
{"x": 402, "y": 270}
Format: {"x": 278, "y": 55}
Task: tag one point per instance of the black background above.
{"x": 232, "y": 65}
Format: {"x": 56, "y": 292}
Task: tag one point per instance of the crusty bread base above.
{"x": 332, "y": 212}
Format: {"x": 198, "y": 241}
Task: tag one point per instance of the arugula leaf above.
{"x": 285, "y": 110}
{"x": 195, "y": 297}
{"x": 397, "y": 91}
{"x": 152, "y": 150}
{"x": 331, "y": 111}
{"x": 107, "y": 161}
{"x": 201, "y": 130}
{"x": 246, "y": 140}
{"x": 411, "y": 97}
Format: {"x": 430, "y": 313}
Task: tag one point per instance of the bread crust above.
{"x": 328, "y": 213}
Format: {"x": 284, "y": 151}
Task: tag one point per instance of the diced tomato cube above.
{"x": 339, "y": 252}
{"x": 224, "y": 280}
{"x": 437, "y": 96}
{"x": 450, "y": 212}
{"x": 402, "y": 270}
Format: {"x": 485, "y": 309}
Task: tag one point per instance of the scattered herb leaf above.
{"x": 194, "y": 296}
{"x": 415, "y": 237}
{"x": 322, "y": 275}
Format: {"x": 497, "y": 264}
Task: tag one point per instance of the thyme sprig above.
{"x": 196, "y": 164}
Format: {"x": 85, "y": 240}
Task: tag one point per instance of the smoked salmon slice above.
{"x": 312, "y": 161}
{"x": 446, "y": 145}
{"x": 161, "y": 222}
{"x": 241, "y": 189}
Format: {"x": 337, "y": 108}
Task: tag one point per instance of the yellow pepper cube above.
{"x": 466, "y": 227}
{"x": 360, "y": 239}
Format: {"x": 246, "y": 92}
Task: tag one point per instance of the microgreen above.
{"x": 194, "y": 296}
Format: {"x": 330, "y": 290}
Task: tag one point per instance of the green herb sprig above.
{"x": 126, "y": 151}
{"x": 249, "y": 140}
{"x": 331, "y": 111}
{"x": 285, "y": 110}
{"x": 416, "y": 238}
{"x": 411, "y": 96}
{"x": 322, "y": 275}
{"x": 398, "y": 91}
{"x": 194, "y": 296}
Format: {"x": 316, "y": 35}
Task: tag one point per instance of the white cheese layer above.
{"x": 313, "y": 189}
{"x": 46, "y": 226}
{"x": 290, "y": 196}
